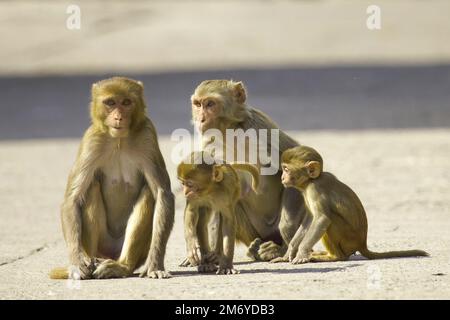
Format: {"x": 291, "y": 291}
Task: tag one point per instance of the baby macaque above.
{"x": 212, "y": 191}
{"x": 338, "y": 217}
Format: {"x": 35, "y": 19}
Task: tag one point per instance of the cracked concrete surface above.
{"x": 402, "y": 177}
{"x": 312, "y": 65}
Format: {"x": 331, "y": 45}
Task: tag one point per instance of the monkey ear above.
{"x": 217, "y": 174}
{"x": 313, "y": 168}
{"x": 239, "y": 92}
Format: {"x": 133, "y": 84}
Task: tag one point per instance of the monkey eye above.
{"x": 188, "y": 184}
{"x": 109, "y": 102}
{"x": 285, "y": 169}
{"x": 126, "y": 102}
{"x": 210, "y": 103}
{"x": 196, "y": 103}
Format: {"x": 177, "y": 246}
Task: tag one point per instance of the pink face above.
{"x": 118, "y": 115}
{"x": 205, "y": 111}
{"x": 286, "y": 177}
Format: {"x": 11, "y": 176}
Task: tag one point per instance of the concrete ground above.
{"x": 402, "y": 177}
{"x": 374, "y": 103}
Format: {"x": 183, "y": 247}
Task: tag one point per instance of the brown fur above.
{"x": 212, "y": 191}
{"x": 337, "y": 215}
{"x": 274, "y": 210}
{"x": 118, "y": 203}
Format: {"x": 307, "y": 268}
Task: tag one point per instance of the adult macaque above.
{"x": 338, "y": 217}
{"x": 118, "y": 204}
{"x": 212, "y": 192}
{"x": 221, "y": 105}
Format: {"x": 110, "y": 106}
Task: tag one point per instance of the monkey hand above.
{"x": 185, "y": 263}
{"x": 194, "y": 255}
{"x": 81, "y": 267}
{"x": 291, "y": 252}
{"x": 227, "y": 270}
{"x": 303, "y": 256}
{"x": 155, "y": 273}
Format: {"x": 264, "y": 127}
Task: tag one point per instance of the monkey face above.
{"x": 118, "y": 111}
{"x": 294, "y": 177}
{"x": 191, "y": 189}
{"x": 288, "y": 178}
{"x": 205, "y": 111}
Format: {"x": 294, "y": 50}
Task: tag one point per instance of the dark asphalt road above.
{"x": 342, "y": 98}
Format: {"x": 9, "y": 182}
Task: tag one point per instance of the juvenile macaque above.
{"x": 118, "y": 207}
{"x": 337, "y": 215}
{"x": 221, "y": 104}
{"x": 212, "y": 191}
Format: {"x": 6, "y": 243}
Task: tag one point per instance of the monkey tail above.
{"x": 59, "y": 273}
{"x": 392, "y": 254}
{"x": 250, "y": 168}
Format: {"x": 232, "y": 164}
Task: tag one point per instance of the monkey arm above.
{"x": 80, "y": 179}
{"x": 191, "y": 219}
{"x": 158, "y": 181}
{"x": 299, "y": 236}
{"x": 319, "y": 226}
{"x": 162, "y": 221}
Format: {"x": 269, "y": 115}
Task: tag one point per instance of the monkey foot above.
{"x": 280, "y": 259}
{"x": 253, "y": 248}
{"x": 269, "y": 250}
{"x": 227, "y": 271}
{"x": 156, "y": 274}
{"x": 207, "y": 267}
{"x": 301, "y": 260}
{"x": 185, "y": 263}
{"x": 111, "y": 269}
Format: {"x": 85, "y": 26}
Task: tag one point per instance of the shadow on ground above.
{"x": 193, "y": 272}
{"x": 340, "y": 98}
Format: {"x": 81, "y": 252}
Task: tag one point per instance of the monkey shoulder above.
{"x": 257, "y": 119}
{"x": 338, "y": 198}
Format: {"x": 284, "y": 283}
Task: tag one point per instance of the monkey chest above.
{"x": 121, "y": 184}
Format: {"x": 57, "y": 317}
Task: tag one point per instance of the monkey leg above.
{"x": 293, "y": 214}
{"x": 209, "y": 236}
{"x": 319, "y": 253}
{"x": 138, "y": 235}
{"x": 246, "y": 232}
{"x": 229, "y": 240}
{"x": 334, "y": 251}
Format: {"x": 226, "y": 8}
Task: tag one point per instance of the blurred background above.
{"x": 375, "y": 103}
{"x": 311, "y": 64}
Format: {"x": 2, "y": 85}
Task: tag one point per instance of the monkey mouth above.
{"x": 190, "y": 195}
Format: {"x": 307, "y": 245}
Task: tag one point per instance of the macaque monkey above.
{"x": 337, "y": 215}
{"x": 212, "y": 191}
{"x": 275, "y": 213}
{"x": 118, "y": 208}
